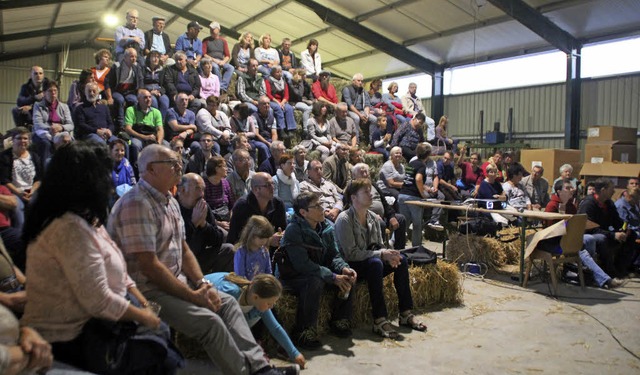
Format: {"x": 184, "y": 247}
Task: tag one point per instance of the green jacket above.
{"x": 310, "y": 253}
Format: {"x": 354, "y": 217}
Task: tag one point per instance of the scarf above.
{"x": 278, "y": 84}
{"x": 287, "y": 180}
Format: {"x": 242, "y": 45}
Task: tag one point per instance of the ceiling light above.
{"x": 110, "y": 20}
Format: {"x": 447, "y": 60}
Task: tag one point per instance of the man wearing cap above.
{"x": 130, "y": 36}
{"x": 190, "y": 44}
{"x": 217, "y": 48}
{"x": 324, "y": 91}
{"x": 157, "y": 40}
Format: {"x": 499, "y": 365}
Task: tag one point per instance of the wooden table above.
{"x": 526, "y": 214}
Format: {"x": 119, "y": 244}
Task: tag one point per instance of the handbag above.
{"x": 420, "y": 255}
{"x": 281, "y": 265}
{"x": 222, "y": 213}
{"x": 145, "y": 129}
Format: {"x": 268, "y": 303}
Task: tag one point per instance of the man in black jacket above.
{"x": 611, "y": 240}
{"x": 203, "y": 235}
{"x": 157, "y": 40}
{"x": 30, "y": 93}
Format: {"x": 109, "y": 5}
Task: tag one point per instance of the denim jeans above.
{"x": 162, "y": 104}
{"x": 284, "y": 117}
{"x": 414, "y": 215}
{"x": 309, "y": 292}
{"x": 119, "y": 102}
{"x": 374, "y": 270}
{"x": 225, "y": 76}
{"x": 306, "y": 112}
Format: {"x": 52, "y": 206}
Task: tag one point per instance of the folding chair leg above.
{"x": 581, "y": 274}
{"x": 527, "y": 271}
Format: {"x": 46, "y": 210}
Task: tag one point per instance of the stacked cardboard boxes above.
{"x": 611, "y": 144}
{"x": 551, "y": 160}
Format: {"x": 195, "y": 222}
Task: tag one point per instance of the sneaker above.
{"x": 341, "y": 328}
{"x": 308, "y": 339}
{"x": 614, "y": 283}
{"x": 436, "y": 226}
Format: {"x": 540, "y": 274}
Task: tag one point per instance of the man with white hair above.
{"x": 330, "y": 199}
{"x": 357, "y": 100}
{"x": 130, "y": 36}
{"x": 385, "y": 212}
{"x": 342, "y": 128}
{"x": 147, "y": 225}
{"x": 122, "y": 83}
{"x": 157, "y": 40}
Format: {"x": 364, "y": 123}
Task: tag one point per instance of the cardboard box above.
{"x": 598, "y": 152}
{"x": 551, "y": 160}
{"x": 612, "y": 133}
{"x": 619, "y": 174}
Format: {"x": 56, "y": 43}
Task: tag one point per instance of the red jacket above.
{"x": 330, "y": 94}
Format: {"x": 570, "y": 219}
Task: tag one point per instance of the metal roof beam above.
{"x": 261, "y": 15}
{"x": 175, "y": 17}
{"x": 45, "y": 51}
{"x": 56, "y": 14}
{"x": 370, "y": 37}
{"x": 538, "y": 23}
{"x": 48, "y": 31}
{"x": 15, "y": 4}
{"x": 189, "y": 16}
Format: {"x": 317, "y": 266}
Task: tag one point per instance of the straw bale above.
{"x": 492, "y": 251}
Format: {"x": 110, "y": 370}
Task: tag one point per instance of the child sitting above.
{"x": 252, "y": 255}
{"x": 380, "y": 138}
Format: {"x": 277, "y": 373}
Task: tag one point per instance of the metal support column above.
{"x": 437, "y": 92}
{"x": 572, "y": 101}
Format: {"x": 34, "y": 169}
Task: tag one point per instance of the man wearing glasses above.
{"x": 130, "y": 36}
{"x": 330, "y": 199}
{"x": 259, "y": 201}
{"x": 147, "y": 225}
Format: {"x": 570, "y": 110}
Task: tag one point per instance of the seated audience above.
{"x": 86, "y": 283}
{"x": 92, "y": 120}
{"x": 240, "y": 177}
{"x": 182, "y": 77}
{"x": 252, "y": 250}
{"x": 30, "y": 93}
{"x": 313, "y": 262}
{"x": 442, "y": 138}
{"x": 76, "y": 90}
{"x": 177, "y": 145}
{"x": 564, "y": 199}
{"x": 409, "y": 135}
{"x": 300, "y": 163}
{"x": 242, "y": 52}
{"x": 20, "y": 171}
{"x": 122, "y": 172}
{"x": 360, "y": 240}
{"x": 342, "y": 127}
{"x": 217, "y": 48}
{"x": 311, "y": 61}
{"x": 392, "y": 174}
{"x": 50, "y": 117}
{"x": 328, "y": 197}
{"x": 154, "y": 81}
{"x": 288, "y": 60}
{"x": 180, "y": 121}
{"x": 516, "y": 196}
{"x": 189, "y": 44}
{"x": 300, "y": 96}
{"x": 204, "y": 237}
{"x": 240, "y": 142}
{"x": 121, "y": 86}
{"x": 256, "y": 299}
{"x": 143, "y": 123}
{"x": 447, "y": 177}
{"x": 411, "y": 103}
{"x": 318, "y": 131}
{"x": 323, "y": 90}
{"x": 359, "y": 106}
{"x": 217, "y": 191}
{"x": 266, "y": 55}
{"x": 157, "y": 40}
{"x": 201, "y": 155}
{"x": 259, "y": 201}
{"x": 243, "y": 123}
{"x": 628, "y": 206}
{"x": 270, "y": 165}
{"x": 337, "y": 168}
{"x": 471, "y": 174}
{"x": 285, "y": 183}
{"x": 278, "y": 92}
{"x": 209, "y": 81}
{"x": 214, "y": 121}
{"x": 565, "y": 172}
{"x": 495, "y": 160}
{"x": 537, "y": 188}
{"x": 266, "y": 124}
{"x": 380, "y": 138}
{"x": 490, "y": 188}
{"x": 394, "y": 103}
{"x": 420, "y": 181}
{"x": 130, "y": 36}
{"x": 250, "y": 86}
{"x": 13, "y": 245}
{"x": 22, "y": 349}
{"x": 101, "y": 70}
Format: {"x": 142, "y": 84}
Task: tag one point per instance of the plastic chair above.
{"x": 570, "y": 243}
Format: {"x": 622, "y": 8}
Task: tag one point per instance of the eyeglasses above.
{"x": 315, "y": 206}
{"x": 174, "y": 162}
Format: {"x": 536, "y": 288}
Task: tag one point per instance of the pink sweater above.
{"x": 75, "y": 272}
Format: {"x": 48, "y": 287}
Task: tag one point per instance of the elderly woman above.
{"x": 50, "y": 117}
{"x": 85, "y": 296}
{"x": 242, "y": 52}
{"x": 300, "y": 162}
{"x": 392, "y": 173}
{"x": 217, "y": 191}
{"x": 318, "y": 132}
{"x": 278, "y": 93}
{"x": 286, "y": 185}
{"x": 360, "y": 240}
{"x": 154, "y": 82}
{"x": 490, "y": 188}
{"x": 266, "y": 55}
{"x": 565, "y": 172}
{"x": 394, "y": 103}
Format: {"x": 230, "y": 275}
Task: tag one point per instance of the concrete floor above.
{"x": 500, "y": 329}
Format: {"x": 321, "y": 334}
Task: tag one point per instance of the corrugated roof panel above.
{"x": 81, "y": 12}
{"x": 341, "y": 44}
{"x": 372, "y": 66}
{"x": 595, "y": 17}
{"x": 27, "y": 19}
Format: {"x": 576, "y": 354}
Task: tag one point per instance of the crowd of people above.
{"x": 164, "y": 183}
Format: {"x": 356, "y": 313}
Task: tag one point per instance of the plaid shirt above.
{"x": 146, "y": 220}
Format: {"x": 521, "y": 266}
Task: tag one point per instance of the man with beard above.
{"x": 92, "y": 119}
{"x": 324, "y": 91}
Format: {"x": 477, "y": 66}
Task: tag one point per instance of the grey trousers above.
{"x": 224, "y": 335}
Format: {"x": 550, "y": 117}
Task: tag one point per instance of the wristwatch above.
{"x": 201, "y": 282}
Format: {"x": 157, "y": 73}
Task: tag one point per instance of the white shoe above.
{"x": 436, "y": 226}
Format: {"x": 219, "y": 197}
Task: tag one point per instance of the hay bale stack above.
{"x": 489, "y": 250}
{"x": 430, "y": 285}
